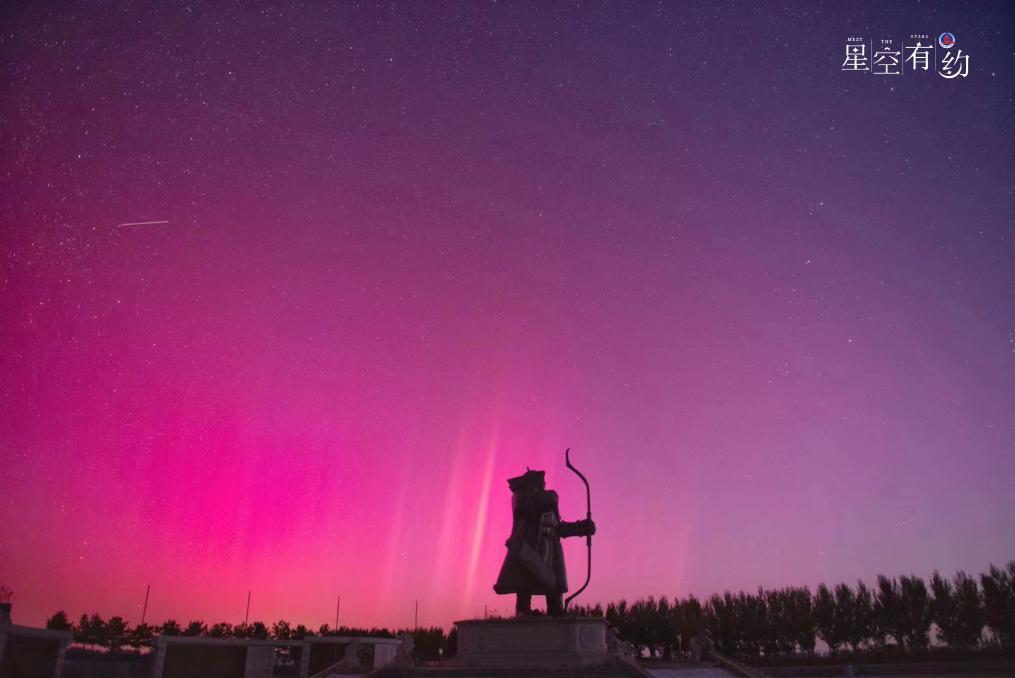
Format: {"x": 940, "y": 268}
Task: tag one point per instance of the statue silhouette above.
{"x": 534, "y": 564}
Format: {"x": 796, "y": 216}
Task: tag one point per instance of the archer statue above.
{"x": 534, "y": 564}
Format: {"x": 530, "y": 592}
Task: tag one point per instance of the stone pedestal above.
{"x": 539, "y": 642}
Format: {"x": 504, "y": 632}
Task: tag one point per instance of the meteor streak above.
{"x": 142, "y": 223}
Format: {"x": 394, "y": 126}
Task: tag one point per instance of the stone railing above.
{"x": 194, "y": 657}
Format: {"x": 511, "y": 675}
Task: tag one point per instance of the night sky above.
{"x": 405, "y": 250}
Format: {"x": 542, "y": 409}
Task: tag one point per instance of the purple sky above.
{"x": 412, "y": 248}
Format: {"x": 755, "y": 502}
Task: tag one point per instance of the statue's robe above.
{"x": 534, "y": 562}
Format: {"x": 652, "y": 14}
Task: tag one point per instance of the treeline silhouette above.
{"x": 894, "y": 613}
{"x": 966, "y": 612}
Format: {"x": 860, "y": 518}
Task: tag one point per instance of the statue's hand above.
{"x": 588, "y": 528}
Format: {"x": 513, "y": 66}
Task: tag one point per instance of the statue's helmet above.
{"x": 530, "y": 480}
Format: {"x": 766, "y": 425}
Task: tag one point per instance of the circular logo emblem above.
{"x": 946, "y": 40}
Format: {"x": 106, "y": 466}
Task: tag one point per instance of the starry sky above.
{"x": 401, "y": 251}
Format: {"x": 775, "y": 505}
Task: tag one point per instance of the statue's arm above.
{"x": 579, "y": 528}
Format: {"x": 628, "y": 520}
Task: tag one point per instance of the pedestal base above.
{"x": 538, "y": 642}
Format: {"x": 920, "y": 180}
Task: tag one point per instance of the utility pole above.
{"x": 144, "y": 610}
{"x": 246, "y": 617}
{"x": 338, "y": 606}
{"x": 415, "y": 625}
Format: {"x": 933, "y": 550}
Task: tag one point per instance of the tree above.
{"x": 860, "y": 628}
{"x": 142, "y": 635}
{"x": 826, "y": 618}
{"x": 258, "y": 630}
{"x": 662, "y": 626}
{"x": 916, "y": 612}
{"x": 689, "y": 621}
{"x": 971, "y": 615}
{"x": 889, "y": 612}
{"x": 749, "y": 615}
{"x": 999, "y": 602}
{"x": 170, "y": 628}
{"x": 617, "y": 616}
{"x": 800, "y": 617}
{"x": 779, "y": 637}
{"x": 59, "y": 622}
{"x": 653, "y": 618}
{"x": 957, "y": 609}
{"x": 721, "y": 623}
{"x": 220, "y": 630}
{"x": 195, "y": 628}
{"x": 281, "y": 630}
{"x": 116, "y": 633}
{"x": 81, "y": 630}
{"x": 640, "y": 624}
{"x": 91, "y": 630}
{"x": 842, "y": 613}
